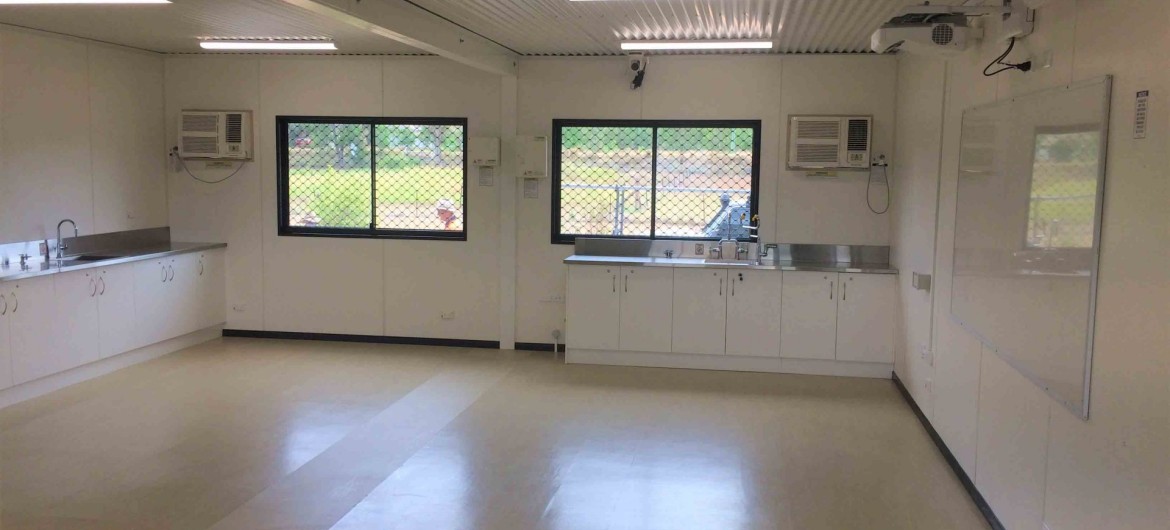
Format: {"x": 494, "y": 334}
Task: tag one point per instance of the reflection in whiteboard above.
{"x": 1027, "y": 232}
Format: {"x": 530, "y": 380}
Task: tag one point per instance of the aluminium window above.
{"x": 372, "y": 177}
{"x": 654, "y": 179}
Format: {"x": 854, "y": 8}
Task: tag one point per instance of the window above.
{"x": 372, "y": 177}
{"x": 665, "y": 179}
{"x": 1063, "y": 198}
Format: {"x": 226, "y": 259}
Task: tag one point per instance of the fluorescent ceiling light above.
{"x": 650, "y": 45}
{"x": 46, "y": 2}
{"x": 285, "y": 45}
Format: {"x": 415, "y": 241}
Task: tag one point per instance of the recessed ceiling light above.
{"x": 651, "y": 45}
{"x": 46, "y": 2}
{"x": 264, "y": 44}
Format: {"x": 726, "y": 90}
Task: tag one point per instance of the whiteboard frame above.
{"x": 1081, "y": 409}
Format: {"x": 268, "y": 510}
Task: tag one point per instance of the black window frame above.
{"x": 282, "y": 175}
{"x": 560, "y": 123}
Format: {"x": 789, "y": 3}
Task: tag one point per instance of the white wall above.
{"x": 80, "y": 136}
{"x": 1036, "y": 462}
{"x": 399, "y": 288}
{"x": 793, "y": 207}
{"x": 325, "y": 285}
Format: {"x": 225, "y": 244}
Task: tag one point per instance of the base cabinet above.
{"x": 32, "y": 329}
{"x": 593, "y": 303}
{"x": 5, "y": 342}
{"x": 700, "y": 311}
{"x": 76, "y": 318}
{"x": 116, "y": 311}
{"x": 865, "y": 318}
{"x": 754, "y": 313}
{"x": 644, "y": 320}
{"x": 808, "y": 329}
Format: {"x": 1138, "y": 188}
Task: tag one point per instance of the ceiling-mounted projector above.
{"x": 943, "y": 30}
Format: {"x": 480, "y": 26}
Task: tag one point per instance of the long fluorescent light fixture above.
{"x": 286, "y": 45}
{"x": 47, "y": 2}
{"x": 653, "y": 45}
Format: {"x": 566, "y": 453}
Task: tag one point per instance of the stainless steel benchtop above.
{"x": 39, "y": 267}
{"x": 640, "y": 261}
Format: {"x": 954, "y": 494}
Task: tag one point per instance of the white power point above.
{"x": 925, "y": 354}
{"x": 240, "y": 308}
{"x": 449, "y": 315}
{"x": 554, "y": 299}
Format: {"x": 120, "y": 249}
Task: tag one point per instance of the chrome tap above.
{"x": 61, "y": 246}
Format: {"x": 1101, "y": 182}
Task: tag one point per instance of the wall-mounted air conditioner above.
{"x": 829, "y": 142}
{"x": 215, "y": 134}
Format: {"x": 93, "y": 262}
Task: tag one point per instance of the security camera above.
{"x": 637, "y": 62}
{"x": 638, "y": 66}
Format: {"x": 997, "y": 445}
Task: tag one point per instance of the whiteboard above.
{"x": 1028, "y": 232}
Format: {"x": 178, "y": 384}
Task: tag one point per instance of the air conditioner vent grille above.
{"x": 204, "y": 123}
{"x": 816, "y": 154}
{"x": 858, "y": 135}
{"x": 818, "y": 130}
{"x": 235, "y": 125}
{"x": 204, "y": 145}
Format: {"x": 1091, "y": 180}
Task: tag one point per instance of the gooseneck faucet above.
{"x": 61, "y": 246}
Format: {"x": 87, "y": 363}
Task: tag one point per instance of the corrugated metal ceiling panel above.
{"x": 563, "y": 27}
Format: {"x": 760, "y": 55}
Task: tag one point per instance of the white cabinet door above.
{"x": 865, "y": 318}
{"x": 116, "y": 310}
{"x": 185, "y": 296}
{"x": 809, "y": 305}
{"x": 5, "y": 345}
{"x": 700, "y": 311}
{"x": 32, "y": 333}
{"x": 646, "y": 305}
{"x": 212, "y": 295}
{"x": 591, "y": 308}
{"x": 76, "y": 321}
{"x": 154, "y": 311}
{"x": 754, "y": 313}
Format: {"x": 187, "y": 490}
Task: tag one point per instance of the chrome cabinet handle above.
{"x": 733, "y": 286}
{"x": 92, "y": 288}
{"x": 15, "y": 302}
{"x": 844, "y": 290}
{"x": 5, "y": 310}
{"x": 626, "y": 285}
{"x": 164, "y": 273}
{"x": 102, "y": 281}
{"x": 614, "y": 282}
{"x": 830, "y": 290}
{"x": 170, "y": 273}
{"x": 720, "y": 286}
{"x": 201, "y": 267}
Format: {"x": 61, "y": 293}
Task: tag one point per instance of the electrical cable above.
{"x": 175, "y": 153}
{"x": 881, "y": 163}
{"x": 1023, "y": 67}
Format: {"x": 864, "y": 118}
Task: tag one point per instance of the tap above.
{"x": 61, "y": 246}
{"x": 766, "y": 251}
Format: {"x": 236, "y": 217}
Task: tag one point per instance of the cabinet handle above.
{"x": 92, "y": 288}
{"x": 830, "y": 290}
{"x": 102, "y": 281}
{"x": 614, "y": 282}
{"x": 5, "y": 310}
{"x": 201, "y": 267}
{"x": 626, "y": 285}
{"x": 170, "y": 272}
{"x": 15, "y": 303}
{"x": 733, "y": 287}
{"x": 720, "y": 286}
{"x": 844, "y": 290}
{"x": 164, "y": 273}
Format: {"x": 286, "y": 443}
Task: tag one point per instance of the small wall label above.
{"x": 1140, "y": 114}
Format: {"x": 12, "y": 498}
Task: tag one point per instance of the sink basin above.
{"x": 89, "y": 257}
{"x": 733, "y": 262}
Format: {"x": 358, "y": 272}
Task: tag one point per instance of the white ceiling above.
{"x": 528, "y": 27}
{"x": 174, "y": 28}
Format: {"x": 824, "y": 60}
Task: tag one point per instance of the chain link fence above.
{"x": 617, "y": 181}
{"x": 415, "y": 181}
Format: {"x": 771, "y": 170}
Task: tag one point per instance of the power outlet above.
{"x": 449, "y": 315}
{"x": 929, "y": 386}
{"x": 240, "y": 307}
{"x": 554, "y": 299}
{"x": 925, "y": 354}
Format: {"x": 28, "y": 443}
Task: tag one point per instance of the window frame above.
{"x": 282, "y": 180}
{"x": 555, "y": 162}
